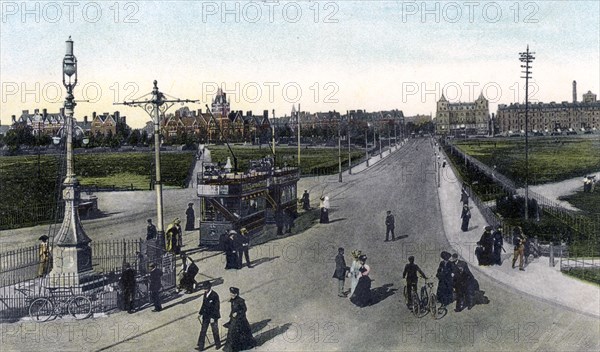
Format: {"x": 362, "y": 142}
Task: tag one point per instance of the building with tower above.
{"x": 458, "y": 119}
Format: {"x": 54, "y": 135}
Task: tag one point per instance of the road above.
{"x": 291, "y": 296}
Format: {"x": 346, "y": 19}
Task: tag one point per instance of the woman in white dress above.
{"x": 354, "y": 274}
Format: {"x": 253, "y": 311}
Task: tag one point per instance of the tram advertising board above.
{"x": 213, "y": 190}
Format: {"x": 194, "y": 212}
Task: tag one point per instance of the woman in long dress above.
{"x": 444, "y": 275}
{"x": 466, "y": 216}
{"x": 239, "y": 336}
{"x": 354, "y": 271}
{"x": 362, "y": 293}
{"x": 325, "y": 210}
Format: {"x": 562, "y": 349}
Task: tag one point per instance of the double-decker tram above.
{"x": 230, "y": 201}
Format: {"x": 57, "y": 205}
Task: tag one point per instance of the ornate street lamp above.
{"x": 72, "y": 255}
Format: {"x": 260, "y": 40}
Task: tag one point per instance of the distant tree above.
{"x": 145, "y": 137}
{"x": 134, "y": 138}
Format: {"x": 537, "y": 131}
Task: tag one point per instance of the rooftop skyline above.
{"x": 269, "y": 55}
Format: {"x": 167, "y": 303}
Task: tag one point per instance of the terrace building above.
{"x": 582, "y": 116}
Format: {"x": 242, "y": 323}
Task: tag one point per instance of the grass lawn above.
{"x": 551, "y": 159}
{"x": 591, "y": 275}
{"x": 312, "y": 160}
{"x": 588, "y": 202}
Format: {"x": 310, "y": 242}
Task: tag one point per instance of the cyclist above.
{"x": 410, "y": 274}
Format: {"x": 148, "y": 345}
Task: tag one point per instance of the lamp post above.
{"x": 349, "y": 153}
{"x": 367, "y": 143}
{"x": 154, "y": 104}
{"x": 340, "y": 151}
{"x": 72, "y": 255}
{"x": 464, "y": 127}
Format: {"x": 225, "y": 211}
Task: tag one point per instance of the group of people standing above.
{"x": 358, "y": 272}
{"x": 455, "y": 278}
{"x": 236, "y": 247}
{"x": 490, "y": 246}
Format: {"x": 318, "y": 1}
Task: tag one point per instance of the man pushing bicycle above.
{"x": 410, "y": 274}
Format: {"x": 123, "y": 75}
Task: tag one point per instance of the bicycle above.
{"x": 42, "y": 309}
{"x": 413, "y": 302}
{"x": 423, "y": 303}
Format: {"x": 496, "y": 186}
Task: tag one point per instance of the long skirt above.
{"x": 239, "y": 336}
{"x": 324, "y": 216}
{"x": 465, "y": 224}
{"x": 362, "y": 295}
{"x": 444, "y": 291}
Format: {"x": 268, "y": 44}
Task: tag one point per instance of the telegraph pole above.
{"x": 526, "y": 58}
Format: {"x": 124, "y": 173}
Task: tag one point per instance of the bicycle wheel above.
{"x": 416, "y": 309}
{"x": 433, "y": 306}
{"x": 41, "y": 309}
{"x": 80, "y": 307}
{"x": 405, "y": 295}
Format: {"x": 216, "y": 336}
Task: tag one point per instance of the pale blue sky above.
{"x": 370, "y": 57}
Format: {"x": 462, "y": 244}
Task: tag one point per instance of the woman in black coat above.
{"x": 444, "y": 275}
{"x": 465, "y": 216}
{"x": 239, "y": 336}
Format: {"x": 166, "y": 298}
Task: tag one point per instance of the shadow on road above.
{"x": 381, "y": 293}
{"x": 336, "y": 220}
{"x": 270, "y": 334}
{"x": 263, "y": 260}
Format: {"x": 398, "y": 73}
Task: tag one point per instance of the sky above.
{"x": 270, "y": 55}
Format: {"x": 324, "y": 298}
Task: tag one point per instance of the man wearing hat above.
{"x": 485, "y": 247}
{"x": 239, "y": 336}
{"x": 150, "y": 230}
{"x": 154, "y": 286}
{"x": 127, "y": 283}
{"x": 305, "y": 200}
{"x": 209, "y": 314}
{"x": 44, "y": 256}
{"x": 389, "y": 226}
{"x": 498, "y": 245}
{"x": 189, "y": 215}
{"x": 340, "y": 271}
{"x": 244, "y": 249}
{"x": 463, "y": 284}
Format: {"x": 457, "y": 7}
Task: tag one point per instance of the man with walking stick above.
{"x": 209, "y": 314}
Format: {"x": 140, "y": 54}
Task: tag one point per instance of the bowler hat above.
{"x": 454, "y": 257}
{"x": 488, "y": 228}
{"x": 445, "y": 255}
{"x": 234, "y": 290}
{"x": 43, "y": 238}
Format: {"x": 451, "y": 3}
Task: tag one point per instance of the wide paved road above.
{"x": 292, "y": 299}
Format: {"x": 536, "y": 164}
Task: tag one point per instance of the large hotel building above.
{"x": 576, "y": 116}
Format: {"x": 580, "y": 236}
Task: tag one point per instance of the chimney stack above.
{"x": 36, "y": 111}
{"x": 44, "y": 112}
{"x": 85, "y": 120}
{"x": 574, "y": 91}
{"x": 62, "y": 112}
{"x": 14, "y": 119}
{"x": 124, "y": 119}
{"x": 266, "y": 114}
{"x": 94, "y": 115}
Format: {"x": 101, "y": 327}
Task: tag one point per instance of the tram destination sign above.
{"x": 213, "y": 190}
{"x": 251, "y": 186}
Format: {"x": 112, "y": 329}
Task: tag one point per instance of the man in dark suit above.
{"x": 244, "y": 248}
{"x": 340, "y": 271}
{"x": 154, "y": 287}
{"x": 150, "y": 230}
{"x": 127, "y": 283}
{"x": 305, "y": 200}
{"x": 389, "y": 226}
{"x": 209, "y": 313}
{"x": 463, "y": 284}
